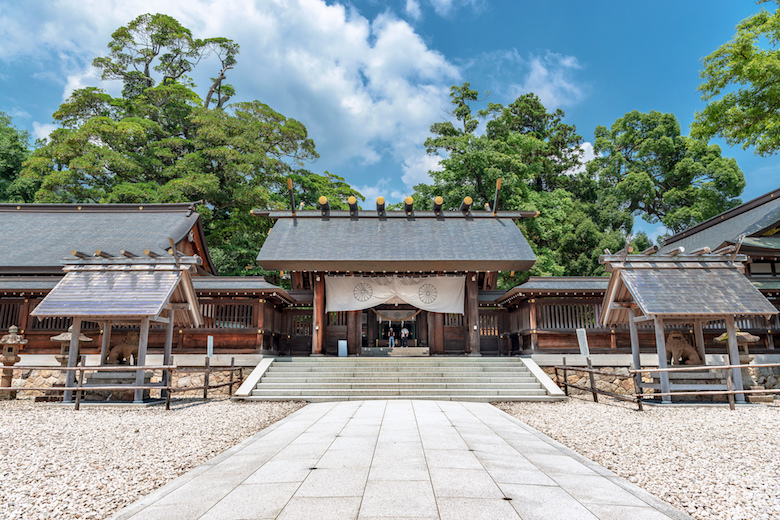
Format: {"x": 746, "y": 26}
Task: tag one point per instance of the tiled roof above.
{"x": 36, "y": 237}
{"x": 749, "y": 218}
{"x": 452, "y": 242}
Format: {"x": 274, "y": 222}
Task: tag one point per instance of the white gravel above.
{"x": 59, "y": 463}
{"x": 712, "y": 463}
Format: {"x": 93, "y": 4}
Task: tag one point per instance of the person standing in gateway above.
{"x": 404, "y": 337}
{"x": 391, "y": 337}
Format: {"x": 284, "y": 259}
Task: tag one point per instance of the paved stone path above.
{"x": 372, "y": 460}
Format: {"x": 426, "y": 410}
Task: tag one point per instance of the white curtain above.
{"x": 430, "y": 293}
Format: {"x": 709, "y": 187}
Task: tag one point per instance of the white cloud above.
{"x": 42, "y": 130}
{"x": 416, "y": 169}
{"x": 366, "y": 89}
{"x": 587, "y": 155}
{"x": 551, "y": 78}
{"x": 381, "y": 189}
{"x": 413, "y": 9}
{"x": 442, "y": 7}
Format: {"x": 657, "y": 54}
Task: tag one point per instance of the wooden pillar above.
{"x": 25, "y": 320}
{"x": 143, "y": 341}
{"x": 259, "y": 317}
{"x": 436, "y": 332}
{"x": 532, "y": 323}
{"x": 318, "y": 318}
{"x": 698, "y": 336}
{"x": 353, "y": 332}
{"x": 736, "y": 373}
{"x": 372, "y": 328}
{"x": 421, "y": 329}
{"x": 660, "y": 345}
{"x": 168, "y": 349}
{"x": 73, "y": 356}
{"x": 472, "y": 315}
{"x": 634, "y": 334}
{"x": 770, "y": 341}
{"x": 106, "y": 344}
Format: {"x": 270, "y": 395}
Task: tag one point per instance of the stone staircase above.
{"x": 318, "y": 379}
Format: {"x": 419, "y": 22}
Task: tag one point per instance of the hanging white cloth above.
{"x": 429, "y": 293}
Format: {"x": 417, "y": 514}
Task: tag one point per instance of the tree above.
{"x": 160, "y": 142}
{"x": 534, "y": 152}
{"x": 644, "y": 166}
{"x": 741, "y": 82}
{"x": 14, "y": 149}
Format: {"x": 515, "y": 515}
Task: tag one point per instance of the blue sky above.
{"x": 368, "y": 78}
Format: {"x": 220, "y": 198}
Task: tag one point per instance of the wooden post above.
{"x": 437, "y": 333}
{"x": 729, "y": 384}
{"x": 635, "y": 354}
{"x": 24, "y": 315}
{"x": 232, "y": 373}
{"x": 353, "y": 332}
{"x": 660, "y": 346}
{"x": 592, "y": 381}
{"x": 80, "y": 382}
{"x": 143, "y": 341}
{"x": 472, "y": 315}
{"x": 206, "y": 379}
{"x": 698, "y": 336}
{"x": 770, "y": 341}
{"x": 731, "y": 331}
{"x": 372, "y": 328}
{"x": 318, "y": 319}
{"x": 565, "y": 377}
{"x": 106, "y": 344}
{"x": 73, "y": 355}
{"x": 259, "y": 319}
{"x": 167, "y": 349}
{"x": 169, "y": 378}
{"x": 532, "y": 324}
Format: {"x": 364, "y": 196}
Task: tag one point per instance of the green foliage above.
{"x": 534, "y": 152}
{"x": 644, "y": 166}
{"x": 14, "y": 150}
{"x": 160, "y": 142}
{"x": 740, "y": 82}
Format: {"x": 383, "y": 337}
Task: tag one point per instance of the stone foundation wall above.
{"x": 49, "y": 378}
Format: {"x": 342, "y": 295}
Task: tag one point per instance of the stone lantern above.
{"x": 11, "y": 343}
{"x": 64, "y": 340}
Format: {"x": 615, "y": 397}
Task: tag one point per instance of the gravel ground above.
{"x": 710, "y": 462}
{"x": 59, "y": 463}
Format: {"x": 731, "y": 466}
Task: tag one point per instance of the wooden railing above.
{"x": 635, "y": 398}
{"x": 165, "y": 387}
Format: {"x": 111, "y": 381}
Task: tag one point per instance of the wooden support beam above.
{"x": 472, "y": 315}
{"x": 438, "y": 332}
{"x": 532, "y": 323}
{"x": 105, "y": 346}
{"x": 660, "y": 345}
{"x": 177, "y": 306}
{"x": 73, "y": 356}
{"x": 635, "y": 355}
{"x": 698, "y": 336}
{"x": 143, "y": 342}
{"x": 167, "y": 350}
{"x": 731, "y": 332}
{"x": 353, "y": 332}
{"x": 318, "y": 321}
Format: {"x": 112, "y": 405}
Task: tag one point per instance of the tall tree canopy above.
{"x": 741, "y": 82}
{"x": 643, "y": 166}
{"x": 14, "y": 150}
{"x": 536, "y": 154}
{"x": 161, "y": 142}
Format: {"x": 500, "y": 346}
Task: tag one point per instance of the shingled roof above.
{"x": 752, "y": 218}
{"x": 37, "y": 236}
{"x": 679, "y": 287}
{"x": 396, "y": 241}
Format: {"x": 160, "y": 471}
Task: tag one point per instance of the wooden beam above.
{"x": 635, "y": 355}
{"x": 73, "y": 356}
{"x": 143, "y": 342}
{"x": 698, "y": 335}
{"x": 167, "y": 349}
{"x": 353, "y": 331}
{"x": 318, "y": 321}
{"x": 660, "y": 346}
{"x": 472, "y": 314}
{"x": 106, "y": 344}
{"x": 177, "y": 306}
{"x": 731, "y": 331}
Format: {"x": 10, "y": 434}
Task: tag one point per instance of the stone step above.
{"x": 344, "y": 397}
{"x": 405, "y": 378}
{"x": 496, "y": 392}
{"x": 431, "y": 359}
{"x": 400, "y": 386}
{"x": 350, "y": 369}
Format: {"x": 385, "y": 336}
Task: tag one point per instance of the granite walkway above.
{"x": 372, "y": 460}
